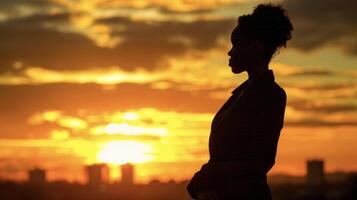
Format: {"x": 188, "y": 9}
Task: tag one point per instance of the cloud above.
{"x": 109, "y": 75}
{"x": 319, "y": 112}
{"x": 19, "y": 103}
{"x": 313, "y": 72}
{"x": 328, "y": 108}
{"x": 179, "y": 5}
{"x": 320, "y": 91}
{"x": 28, "y": 41}
{"x": 320, "y": 123}
{"x": 287, "y": 70}
{"x": 32, "y": 41}
{"x": 197, "y": 11}
{"x": 17, "y": 8}
{"x": 322, "y": 23}
{"x": 13, "y": 3}
{"x": 166, "y": 38}
{"x": 73, "y": 97}
{"x": 191, "y": 73}
{"x": 120, "y": 137}
{"x": 327, "y": 87}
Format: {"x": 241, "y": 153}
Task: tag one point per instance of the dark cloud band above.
{"x": 320, "y": 23}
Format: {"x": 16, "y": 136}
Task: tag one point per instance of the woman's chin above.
{"x": 236, "y": 70}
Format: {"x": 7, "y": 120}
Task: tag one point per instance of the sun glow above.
{"x": 120, "y": 152}
{"x": 130, "y": 116}
{"x": 127, "y": 129}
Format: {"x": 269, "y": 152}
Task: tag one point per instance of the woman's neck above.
{"x": 257, "y": 71}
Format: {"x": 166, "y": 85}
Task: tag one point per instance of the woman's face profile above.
{"x": 243, "y": 52}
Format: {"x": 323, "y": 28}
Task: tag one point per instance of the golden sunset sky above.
{"x": 115, "y": 81}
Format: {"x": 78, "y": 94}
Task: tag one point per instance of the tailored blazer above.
{"x": 244, "y": 137}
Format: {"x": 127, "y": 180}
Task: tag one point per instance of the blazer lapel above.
{"x": 237, "y": 95}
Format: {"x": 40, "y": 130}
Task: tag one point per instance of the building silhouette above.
{"x": 97, "y": 174}
{"x": 37, "y": 176}
{"x": 353, "y": 185}
{"x": 127, "y": 174}
{"x": 315, "y": 175}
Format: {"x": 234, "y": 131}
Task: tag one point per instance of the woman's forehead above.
{"x": 235, "y": 34}
{"x": 238, "y": 34}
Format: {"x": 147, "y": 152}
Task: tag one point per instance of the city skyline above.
{"x": 99, "y": 173}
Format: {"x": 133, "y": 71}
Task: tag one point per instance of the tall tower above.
{"x": 37, "y": 176}
{"x": 97, "y": 174}
{"x": 315, "y": 172}
{"x": 127, "y": 174}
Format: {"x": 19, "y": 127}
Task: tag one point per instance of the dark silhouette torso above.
{"x": 243, "y": 141}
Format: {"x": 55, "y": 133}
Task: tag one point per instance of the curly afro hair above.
{"x": 269, "y": 24}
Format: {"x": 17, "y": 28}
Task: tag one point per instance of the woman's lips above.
{"x": 230, "y": 62}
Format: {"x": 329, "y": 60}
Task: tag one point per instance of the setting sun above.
{"x": 120, "y": 152}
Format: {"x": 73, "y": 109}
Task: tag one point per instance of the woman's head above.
{"x": 258, "y": 36}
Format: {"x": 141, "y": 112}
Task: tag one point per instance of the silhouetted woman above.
{"x": 245, "y": 131}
